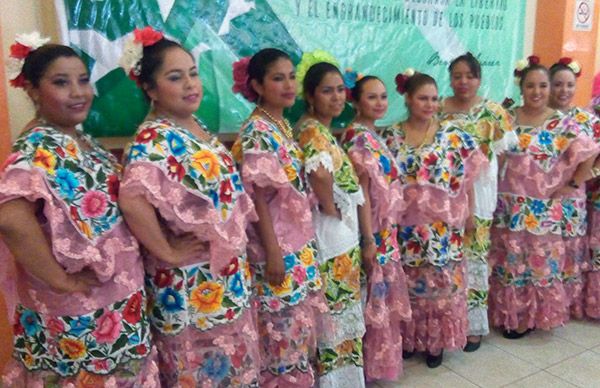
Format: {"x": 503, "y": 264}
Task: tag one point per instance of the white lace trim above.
{"x": 347, "y": 325}
{"x": 477, "y": 275}
{"x": 349, "y": 376}
{"x": 485, "y": 190}
{"x": 478, "y": 321}
{"x": 321, "y": 159}
{"x": 509, "y": 140}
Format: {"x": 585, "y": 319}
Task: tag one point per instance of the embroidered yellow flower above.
{"x": 307, "y": 135}
{"x": 207, "y": 163}
{"x": 440, "y": 228}
{"x": 283, "y": 288}
{"x": 290, "y": 171}
{"x": 72, "y": 348}
{"x": 524, "y": 140}
{"x": 531, "y": 222}
{"x": 236, "y": 151}
{"x": 207, "y": 297}
{"x": 581, "y": 117}
{"x": 307, "y": 257}
{"x": 342, "y": 265}
{"x": 454, "y": 140}
{"x": 202, "y": 323}
{"x": 44, "y": 159}
{"x": 72, "y": 149}
{"x": 85, "y": 228}
{"x": 561, "y": 143}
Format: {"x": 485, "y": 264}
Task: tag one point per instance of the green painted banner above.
{"x": 379, "y": 37}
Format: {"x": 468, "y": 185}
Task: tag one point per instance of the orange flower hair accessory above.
{"x": 133, "y": 51}
{"x": 572, "y": 64}
{"x": 23, "y": 46}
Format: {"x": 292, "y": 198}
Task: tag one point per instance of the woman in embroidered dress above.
{"x": 387, "y": 296}
{"x": 488, "y": 123}
{"x": 528, "y": 255}
{"x": 282, "y": 245}
{"x": 335, "y": 216}
{"x": 581, "y": 274}
{"x": 437, "y": 167}
{"x": 183, "y": 199}
{"x": 75, "y": 288}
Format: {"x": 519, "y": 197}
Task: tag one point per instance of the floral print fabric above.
{"x": 97, "y": 342}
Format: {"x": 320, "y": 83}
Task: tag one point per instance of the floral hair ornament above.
{"x": 308, "y": 60}
{"x": 240, "y": 80}
{"x": 402, "y": 78}
{"x": 23, "y": 46}
{"x": 133, "y": 50}
{"x": 572, "y": 64}
{"x": 522, "y": 64}
{"x": 350, "y": 77}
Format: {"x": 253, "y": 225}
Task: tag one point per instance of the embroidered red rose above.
{"x": 163, "y": 278}
{"x": 113, "y": 184}
{"x": 146, "y": 135}
{"x": 225, "y": 191}
{"x": 176, "y": 169}
{"x": 133, "y": 310}
{"x": 231, "y": 268}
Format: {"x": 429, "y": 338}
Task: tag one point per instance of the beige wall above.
{"x": 23, "y": 16}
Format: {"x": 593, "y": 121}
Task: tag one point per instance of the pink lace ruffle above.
{"x": 188, "y": 212}
{"x": 290, "y": 210}
{"x": 387, "y": 305}
{"x": 114, "y": 257}
{"x": 530, "y": 306}
{"x": 386, "y": 198}
{"x": 576, "y": 265}
{"x": 439, "y": 322}
{"x": 182, "y": 357}
{"x": 591, "y": 292}
{"x": 523, "y": 176}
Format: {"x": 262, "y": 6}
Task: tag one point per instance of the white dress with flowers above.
{"x": 200, "y": 310}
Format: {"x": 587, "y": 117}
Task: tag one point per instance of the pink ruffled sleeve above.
{"x": 187, "y": 212}
{"x": 386, "y": 198}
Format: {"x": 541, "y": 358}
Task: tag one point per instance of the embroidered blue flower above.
{"x": 30, "y": 322}
{"x": 380, "y": 290}
{"x": 79, "y": 325}
{"x": 215, "y": 197}
{"x": 406, "y": 233}
{"x": 171, "y": 300}
{"x": 444, "y": 245}
{"x": 67, "y": 182}
{"x": 137, "y": 151}
{"x": 553, "y": 266}
{"x": 237, "y": 285}
{"x": 134, "y": 339}
{"x": 295, "y": 298}
{"x": 537, "y": 207}
{"x": 385, "y": 164}
{"x": 568, "y": 210}
{"x": 274, "y": 143}
{"x": 176, "y": 143}
{"x": 216, "y": 367}
{"x": 311, "y": 272}
{"x": 545, "y": 137}
{"x": 237, "y": 182}
{"x": 514, "y": 221}
{"x": 289, "y": 261}
{"x": 35, "y": 138}
{"x": 419, "y": 287}
{"x": 63, "y": 368}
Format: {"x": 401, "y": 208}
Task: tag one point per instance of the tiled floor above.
{"x": 566, "y": 357}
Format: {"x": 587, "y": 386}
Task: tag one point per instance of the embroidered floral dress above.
{"x": 387, "y": 295}
{"x": 582, "y": 267}
{"x": 489, "y": 124}
{"x": 340, "y": 356}
{"x": 436, "y": 179}
{"x": 532, "y": 231}
{"x": 288, "y": 313}
{"x": 100, "y": 339}
{"x": 200, "y": 310}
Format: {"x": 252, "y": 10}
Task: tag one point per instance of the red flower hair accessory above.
{"x": 572, "y": 64}
{"x": 240, "y": 80}
{"x": 522, "y": 64}
{"x": 23, "y": 46}
{"x": 402, "y": 78}
{"x": 133, "y": 50}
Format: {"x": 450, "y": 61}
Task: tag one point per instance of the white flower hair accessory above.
{"x": 23, "y": 46}
{"x": 133, "y": 50}
{"x": 522, "y": 64}
{"x": 571, "y": 64}
{"x": 402, "y": 78}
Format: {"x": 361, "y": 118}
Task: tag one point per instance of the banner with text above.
{"x": 379, "y": 37}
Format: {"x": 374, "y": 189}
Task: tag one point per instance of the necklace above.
{"x": 425, "y": 136}
{"x": 283, "y": 125}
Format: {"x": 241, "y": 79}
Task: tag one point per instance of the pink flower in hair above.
{"x": 240, "y": 80}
